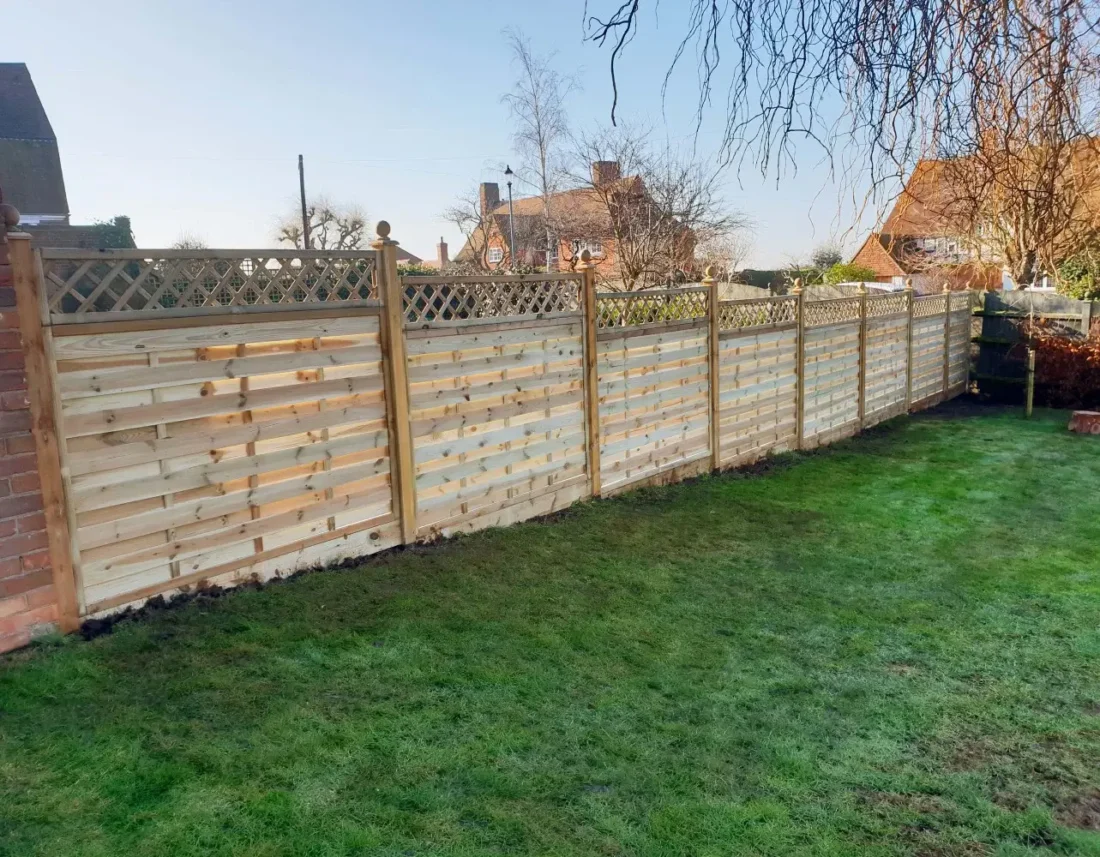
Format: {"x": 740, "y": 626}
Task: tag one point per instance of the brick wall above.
{"x": 28, "y": 602}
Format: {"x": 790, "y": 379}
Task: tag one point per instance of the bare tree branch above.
{"x": 537, "y": 106}
{"x": 658, "y": 208}
{"x": 331, "y": 227}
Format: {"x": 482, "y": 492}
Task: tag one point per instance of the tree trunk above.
{"x": 1027, "y": 271}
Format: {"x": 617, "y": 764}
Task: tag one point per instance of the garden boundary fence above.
{"x": 215, "y": 416}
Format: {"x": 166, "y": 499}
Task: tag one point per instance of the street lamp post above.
{"x": 511, "y": 218}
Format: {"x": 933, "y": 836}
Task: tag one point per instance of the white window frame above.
{"x": 495, "y": 255}
{"x": 592, "y": 245}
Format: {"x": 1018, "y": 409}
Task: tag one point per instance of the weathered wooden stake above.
{"x": 711, "y": 282}
{"x": 862, "y": 353}
{"x": 591, "y": 373}
{"x": 45, "y": 410}
{"x": 800, "y": 364}
{"x": 396, "y": 379}
{"x": 909, "y": 344}
{"x": 1030, "y": 383}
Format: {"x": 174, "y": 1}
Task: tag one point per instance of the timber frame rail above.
{"x": 214, "y": 416}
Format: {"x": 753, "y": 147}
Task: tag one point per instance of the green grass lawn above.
{"x": 889, "y": 647}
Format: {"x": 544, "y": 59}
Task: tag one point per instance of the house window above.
{"x": 496, "y": 255}
{"x": 591, "y": 245}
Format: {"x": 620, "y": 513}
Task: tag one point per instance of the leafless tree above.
{"x": 910, "y": 78}
{"x": 827, "y": 255}
{"x": 477, "y": 227}
{"x": 726, "y": 253}
{"x": 331, "y": 227}
{"x": 189, "y": 241}
{"x": 662, "y": 205}
{"x": 537, "y": 106}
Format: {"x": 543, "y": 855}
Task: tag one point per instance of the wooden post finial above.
{"x": 946, "y": 288}
{"x": 908, "y": 284}
{"x": 383, "y": 230}
{"x": 9, "y": 219}
{"x": 863, "y": 288}
{"x": 709, "y": 274}
{"x": 798, "y": 285}
{"x": 586, "y": 256}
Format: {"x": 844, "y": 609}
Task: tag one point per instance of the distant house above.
{"x": 923, "y": 238}
{"x": 441, "y": 261}
{"x": 31, "y": 178}
{"x": 581, "y": 219}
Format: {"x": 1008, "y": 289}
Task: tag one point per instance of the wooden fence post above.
{"x": 45, "y": 410}
{"x": 711, "y": 282}
{"x": 396, "y": 379}
{"x": 800, "y": 364}
{"x": 909, "y": 344}
{"x": 862, "y": 353}
{"x": 1029, "y": 391}
{"x": 946, "y": 340}
{"x": 591, "y": 373}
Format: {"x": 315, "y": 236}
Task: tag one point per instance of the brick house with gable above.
{"x": 581, "y": 217}
{"x": 922, "y": 238}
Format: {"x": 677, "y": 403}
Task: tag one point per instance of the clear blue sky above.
{"x": 189, "y": 117}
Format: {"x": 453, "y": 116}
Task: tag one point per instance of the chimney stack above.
{"x": 489, "y": 193}
{"x": 441, "y": 252}
{"x": 605, "y": 172}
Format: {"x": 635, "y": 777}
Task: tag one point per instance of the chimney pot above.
{"x": 442, "y": 252}
{"x": 489, "y": 194}
{"x": 605, "y": 172}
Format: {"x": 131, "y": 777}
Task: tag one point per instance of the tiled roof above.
{"x": 30, "y": 166}
{"x": 22, "y": 116}
{"x": 582, "y": 209}
{"x": 928, "y": 207}
{"x": 874, "y": 255}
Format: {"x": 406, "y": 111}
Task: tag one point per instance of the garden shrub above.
{"x": 1067, "y": 370}
{"x": 843, "y": 272}
{"x": 1079, "y": 276}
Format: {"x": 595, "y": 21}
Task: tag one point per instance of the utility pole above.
{"x": 302, "y": 193}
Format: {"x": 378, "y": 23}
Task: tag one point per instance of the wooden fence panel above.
{"x": 928, "y": 349}
{"x": 831, "y": 385}
{"x": 757, "y": 393}
{"x": 959, "y": 344}
{"x": 654, "y": 400}
{"x": 886, "y": 354}
{"x": 497, "y": 414}
{"x": 224, "y": 450}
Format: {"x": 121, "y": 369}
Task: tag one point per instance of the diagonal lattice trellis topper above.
{"x": 894, "y": 303}
{"x": 624, "y": 309}
{"x": 131, "y": 281}
{"x": 929, "y": 305}
{"x": 832, "y": 311}
{"x": 439, "y": 299}
{"x": 959, "y": 301}
{"x": 734, "y": 315}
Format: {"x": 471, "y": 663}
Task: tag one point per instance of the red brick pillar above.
{"x": 28, "y": 601}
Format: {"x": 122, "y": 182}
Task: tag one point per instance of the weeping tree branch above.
{"x": 899, "y": 79}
